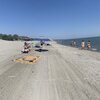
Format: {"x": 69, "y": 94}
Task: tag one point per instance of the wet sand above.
{"x": 61, "y": 73}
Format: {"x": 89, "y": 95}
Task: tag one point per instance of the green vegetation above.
{"x": 9, "y": 37}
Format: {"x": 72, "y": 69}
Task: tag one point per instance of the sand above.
{"x": 62, "y": 73}
{"x": 9, "y": 48}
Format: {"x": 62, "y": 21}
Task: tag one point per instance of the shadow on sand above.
{"x": 41, "y": 50}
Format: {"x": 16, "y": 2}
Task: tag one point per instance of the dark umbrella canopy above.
{"x": 41, "y": 39}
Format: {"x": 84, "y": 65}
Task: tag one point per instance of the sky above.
{"x": 59, "y": 19}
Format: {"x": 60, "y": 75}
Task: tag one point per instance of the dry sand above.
{"x": 62, "y": 73}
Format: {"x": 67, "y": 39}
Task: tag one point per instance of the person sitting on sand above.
{"x": 88, "y": 44}
{"x": 25, "y": 45}
{"x": 83, "y": 44}
{"x": 41, "y": 43}
{"x": 26, "y": 48}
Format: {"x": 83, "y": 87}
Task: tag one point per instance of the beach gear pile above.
{"x": 28, "y": 59}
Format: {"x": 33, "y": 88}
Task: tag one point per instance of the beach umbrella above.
{"x": 42, "y": 38}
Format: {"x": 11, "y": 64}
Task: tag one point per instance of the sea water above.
{"x": 95, "y": 42}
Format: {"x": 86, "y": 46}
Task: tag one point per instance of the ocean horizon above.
{"x": 95, "y": 42}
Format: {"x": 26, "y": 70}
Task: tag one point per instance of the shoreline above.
{"x": 92, "y": 49}
{"x": 79, "y": 49}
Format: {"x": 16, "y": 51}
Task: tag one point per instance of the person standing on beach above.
{"x": 74, "y": 43}
{"x": 88, "y": 44}
{"x": 83, "y": 44}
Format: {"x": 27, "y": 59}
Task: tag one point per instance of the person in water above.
{"x": 88, "y": 44}
{"x": 74, "y": 43}
{"x": 83, "y": 44}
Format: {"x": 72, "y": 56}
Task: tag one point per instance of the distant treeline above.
{"x": 14, "y": 37}
{"x": 9, "y": 37}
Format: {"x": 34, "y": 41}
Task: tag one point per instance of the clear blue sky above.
{"x": 50, "y": 18}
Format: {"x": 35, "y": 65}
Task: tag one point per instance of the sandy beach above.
{"x": 61, "y": 73}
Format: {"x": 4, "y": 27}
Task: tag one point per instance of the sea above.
{"x": 95, "y": 42}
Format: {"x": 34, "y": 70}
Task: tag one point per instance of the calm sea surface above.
{"x": 95, "y": 42}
